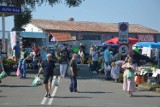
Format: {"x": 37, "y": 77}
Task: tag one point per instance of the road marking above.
{"x": 54, "y": 93}
{"x": 45, "y": 98}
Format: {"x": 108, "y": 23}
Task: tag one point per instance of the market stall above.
{"x": 153, "y": 72}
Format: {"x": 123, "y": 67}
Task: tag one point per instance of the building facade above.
{"x": 72, "y": 30}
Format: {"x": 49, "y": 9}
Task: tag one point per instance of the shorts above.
{"x": 47, "y": 80}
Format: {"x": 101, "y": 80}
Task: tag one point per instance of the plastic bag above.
{"x": 56, "y": 82}
{"x": 107, "y": 67}
{"x": 18, "y": 72}
{"x": 37, "y": 81}
{"x": 3, "y": 75}
{"x": 129, "y": 74}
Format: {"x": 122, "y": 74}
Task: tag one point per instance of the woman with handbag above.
{"x": 128, "y": 77}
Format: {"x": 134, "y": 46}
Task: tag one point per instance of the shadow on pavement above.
{"x": 150, "y": 96}
{"x": 96, "y": 92}
{"x": 15, "y": 86}
{"x": 70, "y": 97}
{"x": 2, "y": 96}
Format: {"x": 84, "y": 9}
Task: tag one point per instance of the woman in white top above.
{"x": 81, "y": 54}
{"x": 128, "y": 77}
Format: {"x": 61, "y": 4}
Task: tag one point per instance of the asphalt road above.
{"x": 94, "y": 91}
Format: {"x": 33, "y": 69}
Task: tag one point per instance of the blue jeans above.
{"x": 73, "y": 84}
{"x": 95, "y": 65}
{"x": 22, "y": 67}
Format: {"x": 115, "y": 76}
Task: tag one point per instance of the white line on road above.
{"x": 45, "y": 98}
{"x": 54, "y": 93}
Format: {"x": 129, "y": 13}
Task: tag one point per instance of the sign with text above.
{"x": 9, "y": 9}
{"x": 146, "y": 38}
{"x": 123, "y": 49}
{"x": 123, "y": 33}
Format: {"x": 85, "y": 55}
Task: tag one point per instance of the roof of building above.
{"x": 62, "y": 36}
{"x": 54, "y": 25}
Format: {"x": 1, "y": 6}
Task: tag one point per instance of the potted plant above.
{"x": 8, "y": 65}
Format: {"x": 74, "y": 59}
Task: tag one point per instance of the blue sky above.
{"x": 144, "y": 12}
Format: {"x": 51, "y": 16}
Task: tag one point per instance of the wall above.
{"x": 32, "y": 28}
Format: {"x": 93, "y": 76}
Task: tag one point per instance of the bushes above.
{"x": 8, "y": 64}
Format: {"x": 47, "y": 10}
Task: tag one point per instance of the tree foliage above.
{"x": 22, "y": 19}
{"x": 28, "y": 5}
{"x": 33, "y": 3}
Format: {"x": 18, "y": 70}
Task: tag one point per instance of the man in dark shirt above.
{"x": 47, "y": 66}
{"x": 73, "y": 74}
{"x": 16, "y": 51}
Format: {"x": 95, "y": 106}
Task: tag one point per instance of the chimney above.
{"x": 71, "y": 19}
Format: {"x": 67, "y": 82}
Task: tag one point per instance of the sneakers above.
{"x": 76, "y": 91}
{"x": 48, "y": 95}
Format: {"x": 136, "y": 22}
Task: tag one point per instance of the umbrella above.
{"x": 148, "y": 44}
{"x": 106, "y": 44}
{"x": 115, "y": 40}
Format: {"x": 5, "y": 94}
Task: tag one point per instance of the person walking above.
{"x": 128, "y": 77}
{"x": 73, "y": 74}
{"x": 95, "y": 60}
{"x": 107, "y": 62}
{"x": 1, "y": 66}
{"x": 48, "y": 67}
{"x": 22, "y": 62}
{"x": 16, "y": 51}
{"x": 64, "y": 60}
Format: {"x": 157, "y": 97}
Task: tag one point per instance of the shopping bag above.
{"x": 37, "y": 81}
{"x": 129, "y": 74}
{"x": 18, "y": 72}
{"x": 107, "y": 67}
{"x": 3, "y": 75}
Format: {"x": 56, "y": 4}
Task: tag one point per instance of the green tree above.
{"x": 28, "y": 5}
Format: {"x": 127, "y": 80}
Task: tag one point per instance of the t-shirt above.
{"x": 36, "y": 50}
{"x": 16, "y": 49}
{"x": 73, "y": 64}
{"x": 106, "y": 54}
{"x": 23, "y": 54}
{"x": 63, "y": 58}
{"x": 48, "y": 68}
{"x": 94, "y": 56}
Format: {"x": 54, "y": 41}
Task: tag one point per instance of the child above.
{"x": 115, "y": 70}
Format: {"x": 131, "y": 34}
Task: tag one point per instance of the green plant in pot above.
{"x": 8, "y": 64}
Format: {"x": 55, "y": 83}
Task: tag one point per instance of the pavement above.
{"x": 94, "y": 91}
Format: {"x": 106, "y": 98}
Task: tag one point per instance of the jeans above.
{"x": 95, "y": 65}
{"x": 22, "y": 67}
{"x": 63, "y": 69}
{"x": 73, "y": 84}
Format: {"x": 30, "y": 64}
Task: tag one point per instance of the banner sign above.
{"x": 146, "y": 38}
{"x": 8, "y": 9}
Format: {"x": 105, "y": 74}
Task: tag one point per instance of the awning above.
{"x": 33, "y": 34}
{"x": 148, "y": 44}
